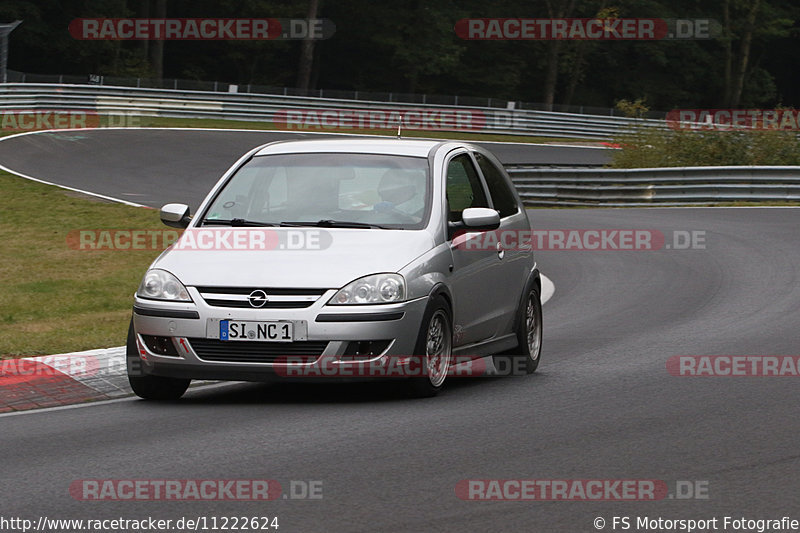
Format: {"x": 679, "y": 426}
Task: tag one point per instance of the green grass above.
{"x": 164, "y": 122}
{"x": 54, "y": 298}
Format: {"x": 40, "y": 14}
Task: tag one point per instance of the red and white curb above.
{"x": 73, "y": 378}
{"x": 62, "y": 379}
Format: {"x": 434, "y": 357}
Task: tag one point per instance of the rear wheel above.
{"x": 434, "y": 349}
{"x": 151, "y": 387}
{"x": 527, "y": 354}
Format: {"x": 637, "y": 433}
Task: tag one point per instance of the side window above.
{"x": 502, "y": 196}
{"x": 463, "y": 187}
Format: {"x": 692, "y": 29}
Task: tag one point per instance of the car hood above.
{"x": 341, "y": 256}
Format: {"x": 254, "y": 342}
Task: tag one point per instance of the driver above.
{"x": 395, "y": 188}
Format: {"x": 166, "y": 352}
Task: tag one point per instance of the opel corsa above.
{"x": 325, "y": 257}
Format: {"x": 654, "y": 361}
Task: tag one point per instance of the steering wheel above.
{"x": 388, "y": 207}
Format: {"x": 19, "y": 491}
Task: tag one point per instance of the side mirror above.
{"x": 175, "y": 215}
{"x": 480, "y": 219}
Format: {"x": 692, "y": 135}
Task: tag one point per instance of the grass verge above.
{"x": 650, "y": 148}
{"x": 53, "y": 298}
{"x": 166, "y": 122}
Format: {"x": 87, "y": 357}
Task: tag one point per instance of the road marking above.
{"x": 548, "y": 289}
{"x": 133, "y": 204}
{"x": 94, "y": 194}
{"x": 129, "y": 398}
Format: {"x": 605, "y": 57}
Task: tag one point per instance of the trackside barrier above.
{"x": 538, "y": 186}
{"x": 657, "y": 186}
{"x": 309, "y": 112}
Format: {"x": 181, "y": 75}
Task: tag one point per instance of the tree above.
{"x": 307, "y": 52}
{"x": 555, "y": 9}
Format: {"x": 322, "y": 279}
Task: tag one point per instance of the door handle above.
{"x": 500, "y": 252}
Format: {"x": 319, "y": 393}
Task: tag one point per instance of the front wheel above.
{"x": 146, "y": 386}
{"x": 433, "y": 349}
{"x": 528, "y": 352}
{"x": 158, "y": 387}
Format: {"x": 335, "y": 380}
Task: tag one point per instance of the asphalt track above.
{"x": 601, "y": 406}
{"x": 156, "y": 166}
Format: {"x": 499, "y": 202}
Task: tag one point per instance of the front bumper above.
{"x": 330, "y": 330}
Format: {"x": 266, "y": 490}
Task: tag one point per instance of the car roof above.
{"x": 391, "y": 146}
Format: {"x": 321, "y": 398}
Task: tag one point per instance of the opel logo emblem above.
{"x": 257, "y": 298}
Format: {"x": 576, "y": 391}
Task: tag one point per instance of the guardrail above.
{"x": 674, "y": 186}
{"x": 341, "y": 94}
{"x": 295, "y": 112}
{"x": 538, "y": 187}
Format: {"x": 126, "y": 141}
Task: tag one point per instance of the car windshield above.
{"x": 359, "y": 190}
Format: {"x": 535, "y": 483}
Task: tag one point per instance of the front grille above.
{"x": 282, "y": 298}
{"x": 255, "y": 352}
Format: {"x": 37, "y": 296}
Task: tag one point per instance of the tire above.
{"x": 146, "y": 386}
{"x": 434, "y": 347}
{"x": 528, "y": 353}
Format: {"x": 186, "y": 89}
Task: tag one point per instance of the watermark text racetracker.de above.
{"x": 294, "y": 239}
{"x": 246, "y": 490}
{"x": 12, "y": 370}
{"x": 381, "y": 119}
{"x": 602, "y": 29}
{"x": 200, "y": 239}
{"x": 24, "y": 120}
{"x": 734, "y": 119}
{"x": 586, "y": 490}
{"x": 734, "y": 366}
{"x": 48, "y": 119}
{"x": 581, "y": 239}
{"x": 419, "y": 119}
{"x": 200, "y": 29}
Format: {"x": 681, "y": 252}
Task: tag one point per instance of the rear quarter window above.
{"x": 502, "y": 196}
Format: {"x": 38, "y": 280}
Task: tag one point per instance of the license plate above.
{"x": 248, "y": 330}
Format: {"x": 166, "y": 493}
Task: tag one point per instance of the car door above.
{"x": 476, "y": 283}
{"x": 513, "y": 243}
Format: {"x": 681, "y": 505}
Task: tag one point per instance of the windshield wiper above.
{"x": 235, "y": 222}
{"x": 327, "y": 223}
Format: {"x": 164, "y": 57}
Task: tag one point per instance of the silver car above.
{"x": 347, "y": 258}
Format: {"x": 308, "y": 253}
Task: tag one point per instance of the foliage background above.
{"x": 410, "y": 46}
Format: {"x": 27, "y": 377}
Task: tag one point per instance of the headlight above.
{"x": 161, "y": 285}
{"x": 374, "y": 289}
